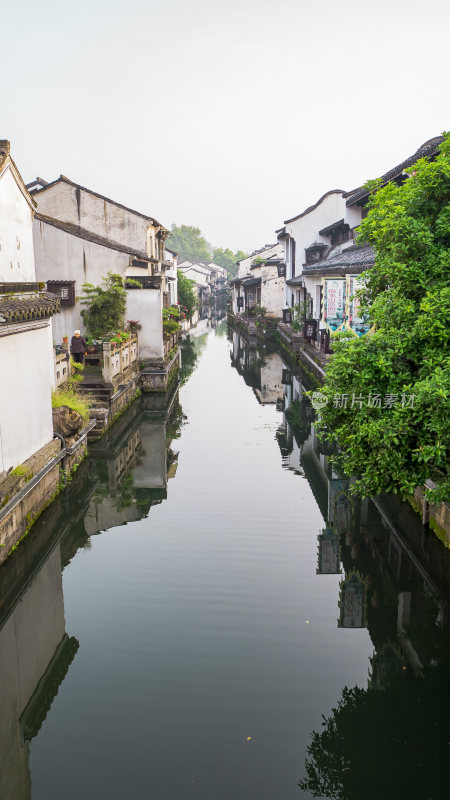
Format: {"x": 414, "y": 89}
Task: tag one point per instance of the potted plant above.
{"x": 90, "y": 347}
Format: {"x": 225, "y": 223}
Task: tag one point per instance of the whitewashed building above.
{"x": 80, "y": 236}
{"x": 171, "y": 274}
{"x": 328, "y": 224}
{"x": 323, "y": 261}
{"x": 259, "y": 281}
{"x": 26, "y": 352}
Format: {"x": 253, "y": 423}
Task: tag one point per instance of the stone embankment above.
{"x": 31, "y": 487}
{"x": 111, "y": 384}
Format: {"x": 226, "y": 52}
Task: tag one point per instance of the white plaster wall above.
{"x": 201, "y": 276}
{"x": 16, "y": 238}
{"x": 63, "y": 256}
{"x": 79, "y": 207}
{"x": 234, "y": 297}
{"x": 25, "y": 394}
{"x": 171, "y": 272}
{"x": 272, "y": 291}
{"x": 313, "y": 284}
{"x": 305, "y": 231}
{"x": 145, "y": 305}
{"x": 246, "y": 263}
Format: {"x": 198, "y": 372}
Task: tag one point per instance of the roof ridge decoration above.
{"x": 64, "y": 179}
{"x": 319, "y": 201}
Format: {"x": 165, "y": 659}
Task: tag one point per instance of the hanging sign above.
{"x": 334, "y": 303}
{"x": 355, "y": 321}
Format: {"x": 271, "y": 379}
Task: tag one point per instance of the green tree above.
{"x": 403, "y": 438}
{"x": 105, "y": 306}
{"x": 189, "y": 243}
{"x": 226, "y": 258}
{"x": 186, "y": 296}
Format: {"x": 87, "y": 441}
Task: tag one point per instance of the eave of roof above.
{"x": 20, "y": 308}
{"x": 353, "y": 260}
{"x": 7, "y": 162}
{"x": 330, "y": 228}
{"x": 248, "y": 282}
{"x": 82, "y": 233}
{"x": 297, "y": 281}
{"x": 426, "y": 150}
{"x": 63, "y": 179}
{"x": 316, "y": 246}
{"x": 315, "y": 205}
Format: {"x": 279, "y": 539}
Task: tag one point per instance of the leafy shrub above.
{"x": 105, "y": 306}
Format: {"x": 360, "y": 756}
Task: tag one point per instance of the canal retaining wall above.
{"x": 158, "y": 377}
{"x": 28, "y": 490}
{"x": 312, "y": 364}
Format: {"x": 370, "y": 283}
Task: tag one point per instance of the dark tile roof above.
{"x": 311, "y": 208}
{"x": 248, "y": 282}
{"x": 317, "y": 246}
{"x": 426, "y": 150}
{"x": 330, "y": 228}
{"x": 353, "y": 260}
{"x": 297, "y": 281}
{"x": 23, "y": 307}
{"x": 82, "y": 233}
{"x": 63, "y": 179}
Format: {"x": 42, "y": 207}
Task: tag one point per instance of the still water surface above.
{"x": 195, "y": 639}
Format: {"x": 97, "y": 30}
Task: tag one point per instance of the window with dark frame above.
{"x": 65, "y": 290}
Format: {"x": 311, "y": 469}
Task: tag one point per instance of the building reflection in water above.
{"x": 389, "y": 739}
{"x": 260, "y": 368}
{"x": 127, "y": 472}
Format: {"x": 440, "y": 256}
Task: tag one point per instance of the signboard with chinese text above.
{"x": 354, "y": 320}
{"x": 333, "y": 312}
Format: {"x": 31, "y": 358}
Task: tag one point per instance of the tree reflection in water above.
{"x": 392, "y": 743}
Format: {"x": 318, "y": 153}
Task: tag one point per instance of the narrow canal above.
{"x": 199, "y": 598}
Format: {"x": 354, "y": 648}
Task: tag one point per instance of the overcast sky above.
{"x": 231, "y": 115}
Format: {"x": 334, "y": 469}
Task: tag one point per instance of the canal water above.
{"x": 206, "y": 613}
